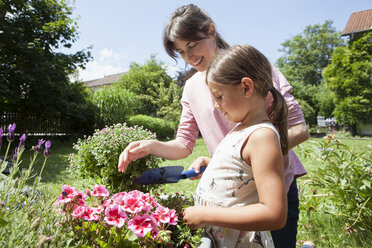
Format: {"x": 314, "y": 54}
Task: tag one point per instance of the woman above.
{"x": 191, "y": 34}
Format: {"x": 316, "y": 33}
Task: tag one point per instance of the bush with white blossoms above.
{"x": 126, "y": 219}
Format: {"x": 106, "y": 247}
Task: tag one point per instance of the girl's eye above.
{"x": 219, "y": 98}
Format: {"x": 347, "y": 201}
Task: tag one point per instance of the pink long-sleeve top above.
{"x": 199, "y": 114}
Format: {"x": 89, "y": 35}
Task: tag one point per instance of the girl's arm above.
{"x": 168, "y": 150}
{"x": 263, "y": 153}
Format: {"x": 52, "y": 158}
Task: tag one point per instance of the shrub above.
{"x": 343, "y": 183}
{"x": 164, "y": 129}
{"x": 115, "y": 105}
{"x": 97, "y": 156}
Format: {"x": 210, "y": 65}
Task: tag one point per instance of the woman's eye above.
{"x": 192, "y": 46}
{"x": 219, "y": 98}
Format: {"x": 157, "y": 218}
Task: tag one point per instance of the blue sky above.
{"x": 122, "y": 31}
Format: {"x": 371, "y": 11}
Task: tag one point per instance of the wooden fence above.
{"x": 33, "y": 125}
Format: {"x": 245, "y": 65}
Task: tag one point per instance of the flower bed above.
{"x": 126, "y": 219}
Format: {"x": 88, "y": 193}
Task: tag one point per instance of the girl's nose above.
{"x": 216, "y": 105}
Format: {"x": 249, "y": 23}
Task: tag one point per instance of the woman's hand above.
{"x": 193, "y": 216}
{"x": 133, "y": 151}
{"x": 199, "y": 162}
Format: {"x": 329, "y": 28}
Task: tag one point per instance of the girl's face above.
{"x": 230, "y": 100}
{"x": 197, "y": 53}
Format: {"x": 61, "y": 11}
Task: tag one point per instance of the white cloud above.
{"x": 107, "y": 63}
{"x": 172, "y": 70}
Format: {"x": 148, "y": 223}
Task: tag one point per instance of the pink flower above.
{"x": 173, "y": 217}
{"x": 141, "y": 224}
{"x": 81, "y": 195}
{"x": 115, "y": 216}
{"x": 132, "y": 202}
{"x": 162, "y": 214}
{"x": 88, "y": 192}
{"x": 119, "y": 198}
{"x": 90, "y": 214}
{"x": 166, "y": 215}
{"x": 100, "y": 191}
{"x": 154, "y": 232}
{"x": 79, "y": 212}
{"x": 98, "y": 210}
{"x": 149, "y": 202}
{"x": 67, "y": 195}
{"x": 86, "y": 213}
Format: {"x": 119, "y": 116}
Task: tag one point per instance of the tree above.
{"x": 306, "y": 54}
{"x": 158, "y": 92}
{"x": 33, "y": 75}
{"x": 349, "y": 77}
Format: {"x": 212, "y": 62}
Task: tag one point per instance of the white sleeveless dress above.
{"x": 228, "y": 182}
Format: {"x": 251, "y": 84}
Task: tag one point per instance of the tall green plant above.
{"x": 168, "y": 100}
{"x": 344, "y": 182}
{"x": 115, "y": 105}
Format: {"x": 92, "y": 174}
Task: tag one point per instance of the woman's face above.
{"x": 198, "y": 54}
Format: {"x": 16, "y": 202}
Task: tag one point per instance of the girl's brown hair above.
{"x": 237, "y": 62}
{"x": 190, "y": 23}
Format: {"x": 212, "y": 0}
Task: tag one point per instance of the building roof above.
{"x": 106, "y": 80}
{"x": 359, "y": 22}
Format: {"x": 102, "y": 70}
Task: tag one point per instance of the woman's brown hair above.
{"x": 190, "y": 23}
{"x": 237, "y": 62}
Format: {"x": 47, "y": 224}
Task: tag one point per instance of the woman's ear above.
{"x": 248, "y": 86}
{"x": 212, "y": 30}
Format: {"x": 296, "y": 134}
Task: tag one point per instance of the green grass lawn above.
{"x": 56, "y": 174}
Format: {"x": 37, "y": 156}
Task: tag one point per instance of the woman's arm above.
{"x": 297, "y": 134}
{"x": 263, "y": 153}
{"x": 181, "y": 147}
{"x": 168, "y": 150}
{"x": 297, "y": 129}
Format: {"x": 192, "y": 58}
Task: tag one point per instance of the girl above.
{"x": 191, "y": 34}
{"x": 243, "y": 185}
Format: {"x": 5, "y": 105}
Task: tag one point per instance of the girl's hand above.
{"x": 193, "y": 216}
{"x": 199, "y": 162}
{"x": 133, "y": 151}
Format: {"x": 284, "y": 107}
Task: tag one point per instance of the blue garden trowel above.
{"x": 167, "y": 174}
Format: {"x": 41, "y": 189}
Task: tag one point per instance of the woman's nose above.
{"x": 216, "y": 105}
{"x": 189, "y": 55}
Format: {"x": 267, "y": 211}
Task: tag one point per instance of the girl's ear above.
{"x": 248, "y": 86}
{"x": 212, "y": 30}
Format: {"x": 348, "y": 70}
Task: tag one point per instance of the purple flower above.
{"x": 15, "y": 154}
{"x": 1, "y": 136}
{"x": 39, "y": 147}
{"x": 11, "y": 129}
{"x": 48, "y": 144}
{"x": 22, "y": 140}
